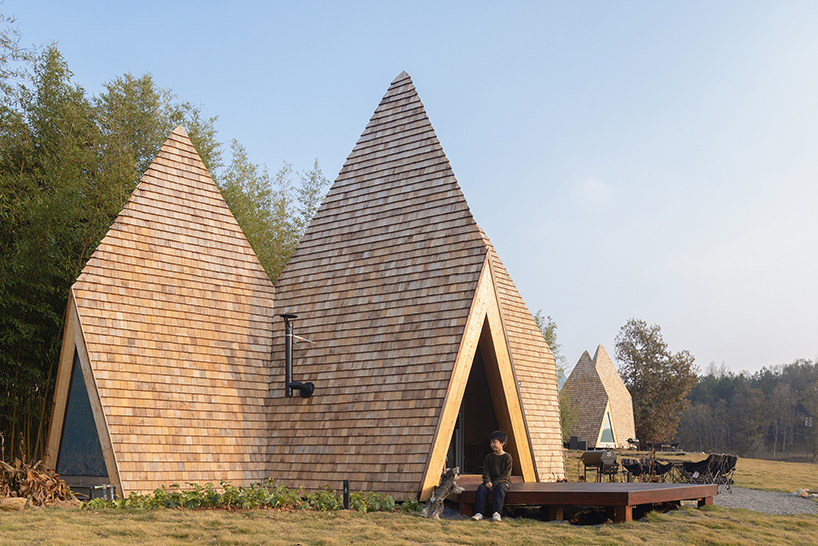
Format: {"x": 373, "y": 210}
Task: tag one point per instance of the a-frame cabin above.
{"x": 166, "y": 354}
{"x": 600, "y": 402}
{"x": 422, "y": 344}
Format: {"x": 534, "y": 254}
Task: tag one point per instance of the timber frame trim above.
{"x": 485, "y": 311}
{"x": 513, "y": 371}
{"x": 74, "y": 341}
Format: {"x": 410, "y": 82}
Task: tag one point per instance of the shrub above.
{"x": 268, "y": 495}
{"x": 325, "y": 500}
{"x": 371, "y": 502}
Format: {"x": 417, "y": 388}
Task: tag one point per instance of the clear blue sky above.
{"x": 656, "y": 160}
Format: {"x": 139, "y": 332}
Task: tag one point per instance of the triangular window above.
{"x": 80, "y": 450}
{"x": 607, "y": 431}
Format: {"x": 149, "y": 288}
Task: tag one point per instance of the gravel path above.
{"x": 768, "y": 502}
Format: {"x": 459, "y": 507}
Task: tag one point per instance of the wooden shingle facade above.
{"x": 420, "y": 344}
{"x": 600, "y": 402}
{"x": 399, "y": 289}
{"x": 171, "y": 322}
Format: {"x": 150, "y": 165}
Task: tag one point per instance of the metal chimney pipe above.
{"x": 288, "y": 352}
{"x": 306, "y": 389}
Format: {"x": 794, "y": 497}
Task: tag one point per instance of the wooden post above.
{"x": 466, "y": 509}
{"x": 622, "y": 513}
{"x": 555, "y": 513}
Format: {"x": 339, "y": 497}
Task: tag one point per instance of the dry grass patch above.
{"x": 775, "y": 476}
{"x": 712, "y": 525}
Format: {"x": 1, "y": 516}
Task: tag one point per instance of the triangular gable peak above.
{"x": 620, "y": 398}
{"x": 484, "y": 332}
{"x": 587, "y": 400}
{"x": 595, "y": 391}
{"x": 393, "y": 283}
{"x": 171, "y": 319}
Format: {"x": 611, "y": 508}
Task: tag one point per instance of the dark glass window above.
{"x": 607, "y": 432}
{"x": 80, "y": 451}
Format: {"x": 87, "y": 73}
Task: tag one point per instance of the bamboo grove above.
{"x": 68, "y": 163}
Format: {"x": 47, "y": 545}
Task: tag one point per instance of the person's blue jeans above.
{"x": 498, "y": 498}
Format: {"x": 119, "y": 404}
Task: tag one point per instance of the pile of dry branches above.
{"x": 36, "y": 482}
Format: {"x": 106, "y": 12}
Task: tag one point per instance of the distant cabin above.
{"x": 173, "y": 370}
{"x": 600, "y": 403}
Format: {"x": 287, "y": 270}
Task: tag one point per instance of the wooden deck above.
{"x": 619, "y": 498}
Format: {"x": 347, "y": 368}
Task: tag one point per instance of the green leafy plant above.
{"x": 135, "y": 500}
{"x": 231, "y": 495}
{"x": 257, "y": 495}
{"x": 97, "y": 504}
{"x": 410, "y": 504}
{"x": 371, "y": 502}
{"x": 288, "y": 498}
{"x": 325, "y": 500}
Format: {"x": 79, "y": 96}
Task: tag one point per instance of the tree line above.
{"x": 68, "y": 164}
{"x": 770, "y": 413}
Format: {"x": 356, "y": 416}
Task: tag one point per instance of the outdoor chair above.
{"x": 708, "y": 471}
{"x": 633, "y": 467}
{"x": 662, "y": 471}
{"x": 646, "y": 471}
{"x": 725, "y": 476}
{"x": 676, "y": 474}
{"x": 714, "y": 472}
{"x": 696, "y": 471}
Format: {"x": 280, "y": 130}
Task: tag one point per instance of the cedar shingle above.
{"x": 176, "y": 312}
{"x": 383, "y": 282}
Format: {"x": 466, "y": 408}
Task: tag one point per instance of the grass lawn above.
{"x": 709, "y": 525}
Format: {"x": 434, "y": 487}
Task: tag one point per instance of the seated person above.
{"x": 496, "y": 478}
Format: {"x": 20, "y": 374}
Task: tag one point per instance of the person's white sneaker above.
{"x": 496, "y": 517}
{"x": 477, "y": 517}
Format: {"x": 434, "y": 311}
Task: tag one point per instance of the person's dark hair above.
{"x": 499, "y": 435}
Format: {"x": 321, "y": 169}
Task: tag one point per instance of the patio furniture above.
{"x": 650, "y": 470}
{"x": 716, "y": 469}
{"x": 725, "y": 476}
